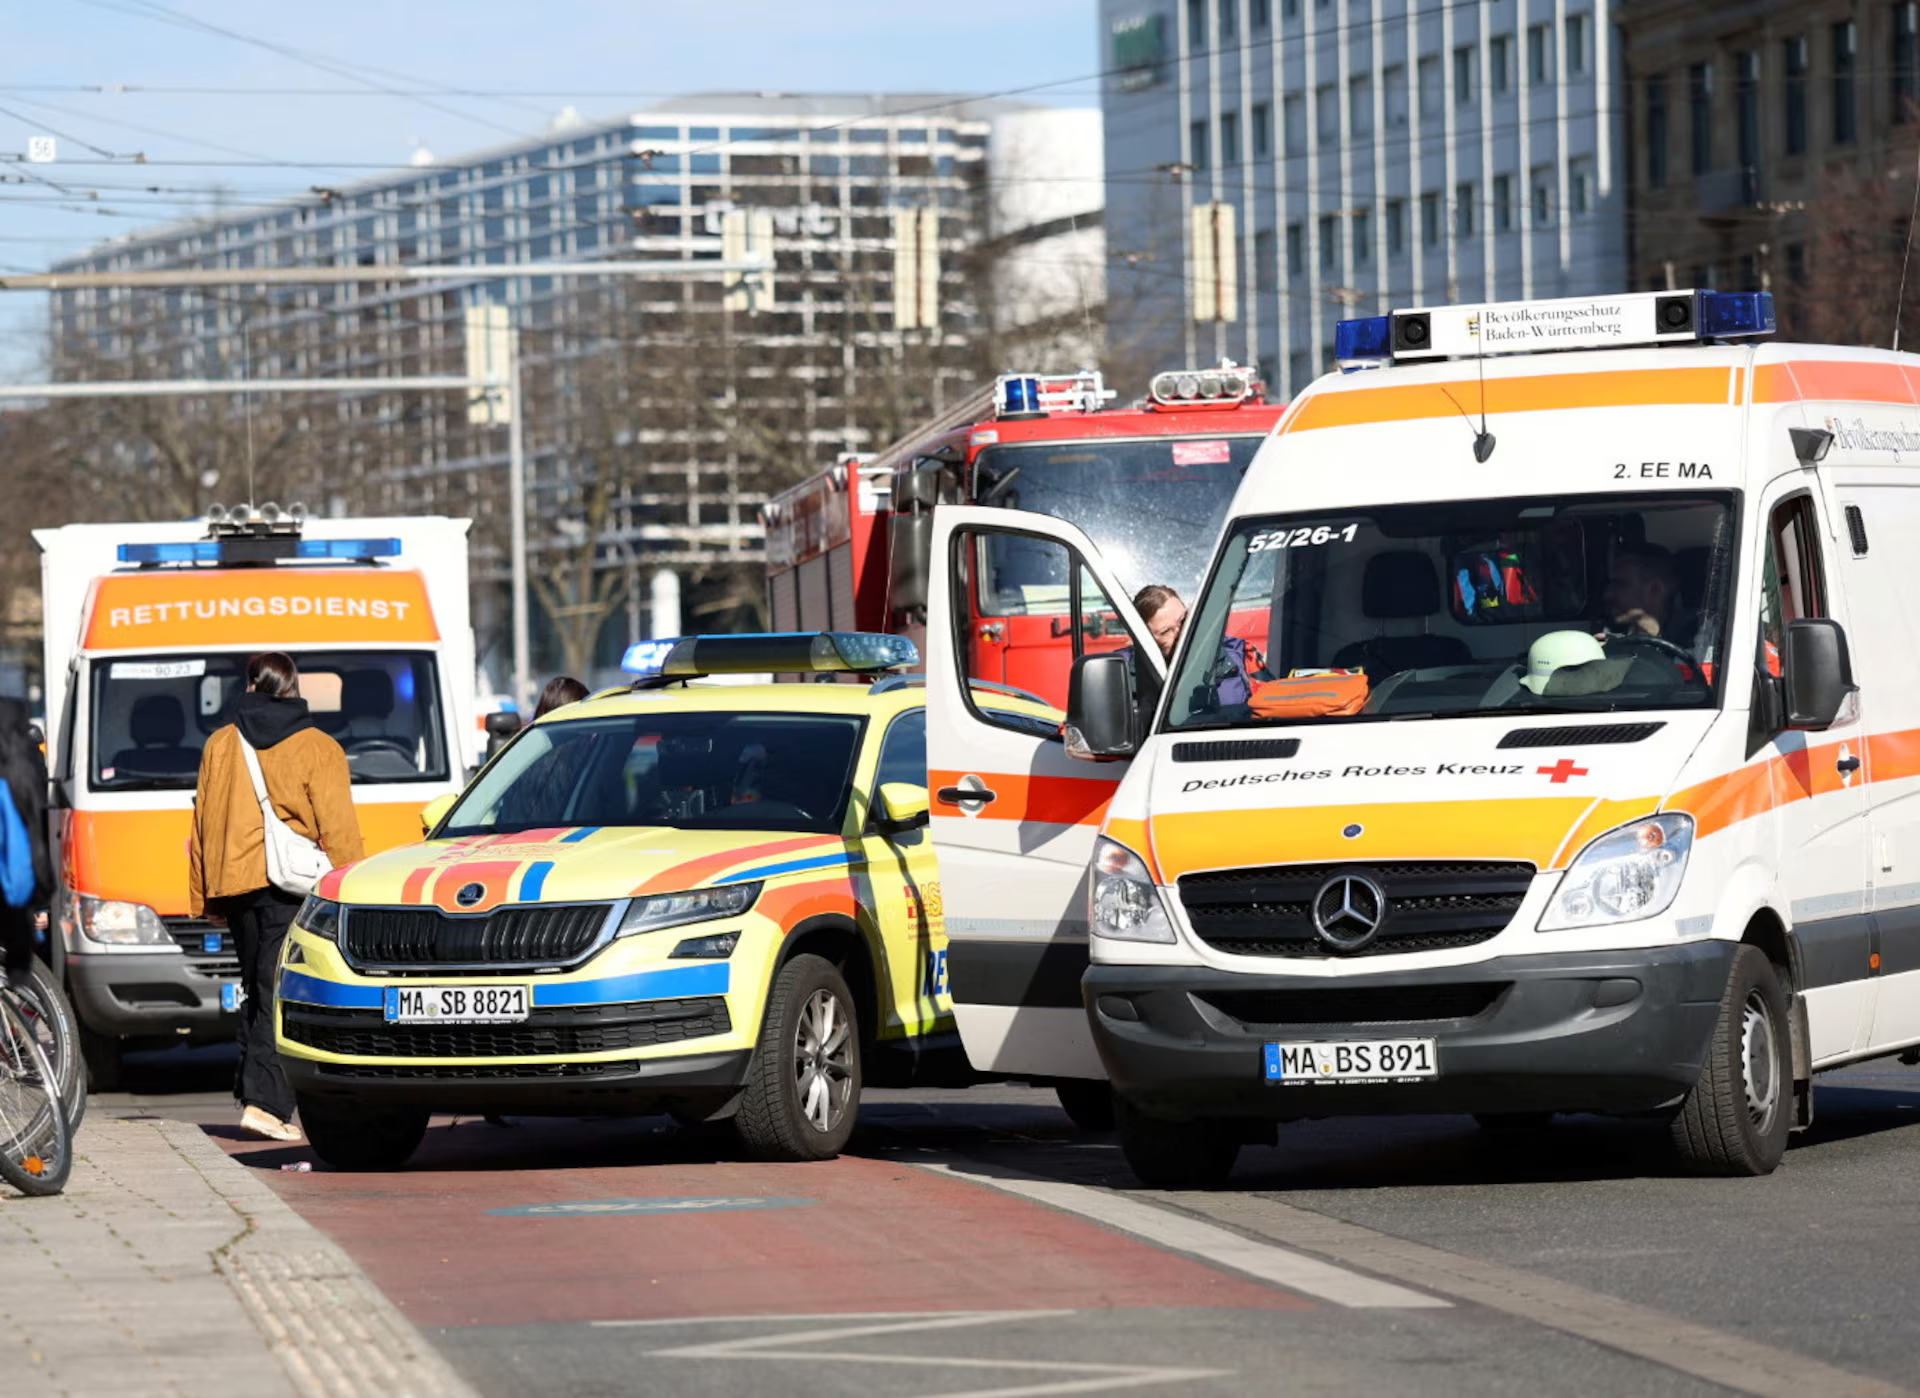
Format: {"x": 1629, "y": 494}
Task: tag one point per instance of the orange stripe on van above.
{"x": 1619, "y": 388}
{"x": 1848, "y": 380}
{"x": 1136, "y": 836}
{"x": 1017, "y": 796}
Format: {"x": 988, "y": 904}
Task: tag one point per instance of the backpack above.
{"x": 16, "y": 853}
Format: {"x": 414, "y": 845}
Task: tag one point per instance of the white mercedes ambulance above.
{"x": 1546, "y": 738}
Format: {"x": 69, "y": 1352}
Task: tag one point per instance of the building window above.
{"x": 1431, "y": 96}
{"x": 1576, "y": 45}
{"x": 1261, "y": 12}
{"x": 1360, "y": 106}
{"x": 1329, "y": 242}
{"x": 1746, "y": 109}
{"x": 1326, "y": 111}
{"x": 1262, "y": 132}
{"x": 1500, "y": 64}
{"x": 1296, "y": 250}
{"x": 1794, "y": 54}
{"x": 1580, "y": 184}
{"x": 1906, "y": 61}
{"x": 1844, "y": 39}
{"x": 1393, "y": 94}
{"x": 1463, "y": 93}
{"x": 1197, "y": 145}
{"x": 1396, "y": 227}
{"x": 1797, "y": 263}
{"x": 1299, "y": 370}
{"x": 1196, "y": 23}
{"x": 1700, "y": 99}
{"x": 1539, "y": 59}
{"x": 1229, "y": 13}
{"x": 1503, "y": 203}
{"x": 1362, "y": 238}
{"x": 1293, "y": 113}
{"x": 1430, "y": 219}
{"x": 1542, "y": 181}
{"x": 1266, "y": 272}
{"x": 1290, "y": 9}
{"x": 1463, "y": 210}
{"x": 1656, "y": 133}
{"x": 1229, "y": 138}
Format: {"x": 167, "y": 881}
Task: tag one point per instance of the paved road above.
{"x": 973, "y": 1243}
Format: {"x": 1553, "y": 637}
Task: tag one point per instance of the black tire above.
{"x": 1088, "y": 1101}
{"x": 1174, "y": 1154}
{"x": 36, "y": 1147}
{"x": 354, "y": 1137}
{"x": 802, "y": 1097}
{"x": 59, "y": 1034}
{"x": 1513, "y": 1121}
{"x": 101, "y": 1053}
{"x": 1736, "y": 1118}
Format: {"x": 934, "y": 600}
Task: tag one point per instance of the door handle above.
{"x": 954, "y": 795}
{"x": 1847, "y": 765}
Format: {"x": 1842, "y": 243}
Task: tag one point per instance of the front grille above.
{"x": 530, "y": 935}
{"x": 1431, "y": 906}
{"x": 476, "y": 1072}
{"x": 190, "y": 935}
{"x": 545, "y": 1032}
{"x": 1265, "y": 1010}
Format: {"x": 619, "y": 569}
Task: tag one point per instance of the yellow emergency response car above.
{"x": 717, "y": 900}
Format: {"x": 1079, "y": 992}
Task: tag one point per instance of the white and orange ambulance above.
{"x": 1546, "y": 738}
{"x": 148, "y": 630}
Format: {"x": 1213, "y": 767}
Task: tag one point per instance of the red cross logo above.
{"x": 1561, "y": 770}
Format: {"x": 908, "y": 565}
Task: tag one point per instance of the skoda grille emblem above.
{"x": 1347, "y": 911}
{"x": 470, "y": 894}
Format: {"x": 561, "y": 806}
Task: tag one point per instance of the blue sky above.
{"x": 598, "y": 56}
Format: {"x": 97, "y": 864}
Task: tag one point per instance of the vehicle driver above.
{"x": 1238, "y": 663}
{"x": 1642, "y": 597}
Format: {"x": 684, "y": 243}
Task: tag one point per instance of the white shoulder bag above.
{"x": 294, "y": 863}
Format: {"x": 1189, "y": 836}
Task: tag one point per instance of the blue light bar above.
{"x": 1725, "y": 315}
{"x": 348, "y": 548}
{"x": 808, "y": 652}
{"x": 1018, "y": 394}
{"x": 1359, "y": 344}
{"x": 206, "y": 551}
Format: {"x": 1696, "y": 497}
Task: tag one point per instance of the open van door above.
{"x": 1014, "y": 817}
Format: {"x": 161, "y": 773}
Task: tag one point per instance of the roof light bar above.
{"x": 1526, "y": 327}
{"x": 258, "y": 549}
{"x": 1226, "y": 386}
{"x": 806, "y": 652}
{"x": 1035, "y": 395}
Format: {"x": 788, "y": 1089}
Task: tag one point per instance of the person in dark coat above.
{"x": 24, "y": 768}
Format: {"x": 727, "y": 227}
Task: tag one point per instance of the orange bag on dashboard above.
{"x": 1318, "y": 694}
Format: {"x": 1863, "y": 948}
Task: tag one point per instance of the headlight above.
{"x": 320, "y": 917}
{"x": 1625, "y": 875}
{"x": 1122, "y": 902}
{"x": 113, "y": 923}
{"x": 672, "y": 909}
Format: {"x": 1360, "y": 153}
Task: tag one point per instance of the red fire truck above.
{"x": 848, "y": 549}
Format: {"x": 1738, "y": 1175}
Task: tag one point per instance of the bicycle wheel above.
{"x": 49, "y": 1014}
{"x": 36, "y": 1149}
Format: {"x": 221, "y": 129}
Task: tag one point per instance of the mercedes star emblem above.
{"x": 1348, "y": 911}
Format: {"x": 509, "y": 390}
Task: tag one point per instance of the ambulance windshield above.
{"x": 151, "y": 715}
{"x": 689, "y": 771}
{"x": 1580, "y": 604}
{"x": 1151, "y": 507}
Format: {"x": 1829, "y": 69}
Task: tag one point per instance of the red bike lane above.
{"x": 853, "y": 1235}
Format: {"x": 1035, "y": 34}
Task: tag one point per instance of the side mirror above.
{"x": 910, "y": 555}
{"x": 900, "y": 806}
{"x": 1101, "y": 708}
{"x": 1819, "y": 672}
{"x": 500, "y": 727}
{"x": 436, "y": 810}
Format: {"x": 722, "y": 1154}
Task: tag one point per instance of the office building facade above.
{"x": 1275, "y": 166}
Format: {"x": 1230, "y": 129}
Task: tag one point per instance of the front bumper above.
{"x": 698, "y": 1082}
{"x": 1611, "y": 1032}
{"x": 161, "y": 992}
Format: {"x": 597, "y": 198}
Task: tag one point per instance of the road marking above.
{"x": 1732, "y": 1361}
{"x": 1209, "y": 1242}
{"x": 583, "y": 1208}
{"x": 786, "y": 1346}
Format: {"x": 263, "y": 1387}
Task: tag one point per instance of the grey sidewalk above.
{"x": 167, "y": 1268}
